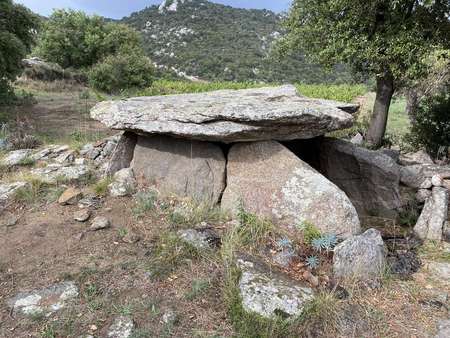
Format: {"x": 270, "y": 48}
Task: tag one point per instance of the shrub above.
{"x": 122, "y": 72}
{"x": 431, "y": 126}
{"x": 74, "y": 39}
{"x": 17, "y": 25}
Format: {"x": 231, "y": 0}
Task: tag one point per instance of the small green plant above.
{"x": 170, "y": 253}
{"x": 310, "y": 232}
{"x": 122, "y": 232}
{"x": 198, "y": 287}
{"x": 48, "y": 331}
{"x": 33, "y": 192}
{"x": 101, "y": 187}
{"x": 123, "y": 309}
{"x": 326, "y": 242}
{"x": 313, "y": 262}
{"x": 27, "y": 161}
{"x": 145, "y": 201}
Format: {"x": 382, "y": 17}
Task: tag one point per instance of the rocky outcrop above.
{"x": 268, "y": 293}
{"x": 271, "y": 181}
{"x": 277, "y": 113}
{"x": 54, "y": 172}
{"x": 181, "y": 167}
{"x": 370, "y": 179}
{"x": 360, "y": 258}
{"x": 16, "y": 157}
{"x": 430, "y": 224}
{"x": 44, "y": 301}
{"x": 8, "y": 190}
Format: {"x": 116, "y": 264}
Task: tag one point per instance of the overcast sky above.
{"x": 119, "y": 8}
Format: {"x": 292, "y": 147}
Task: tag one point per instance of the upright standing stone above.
{"x": 271, "y": 181}
{"x": 430, "y": 224}
{"x": 122, "y": 154}
{"x": 181, "y": 167}
{"x": 370, "y": 179}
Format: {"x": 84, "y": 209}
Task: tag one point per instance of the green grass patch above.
{"x": 145, "y": 202}
{"x": 169, "y": 254}
{"x": 101, "y": 187}
{"x": 344, "y": 92}
{"x": 198, "y": 287}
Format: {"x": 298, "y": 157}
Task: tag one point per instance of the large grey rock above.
{"x": 369, "y": 178}
{"x": 272, "y": 182}
{"x": 200, "y": 238}
{"x": 419, "y": 157}
{"x": 123, "y": 184}
{"x": 276, "y": 113}
{"x": 122, "y": 154}
{"x": 360, "y": 258}
{"x": 16, "y": 157}
{"x": 44, "y": 301}
{"x": 430, "y": 224}
{"x": 181, "y": 167}
{"x": 269, "y": 293}
{"x": 413, "y": 176}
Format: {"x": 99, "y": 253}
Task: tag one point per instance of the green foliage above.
{"x": 431, "y": 126}
{"x": 344, "y": 92}
{"x": 121, "y": 72}
{"x": 379, "y": 37}
{"x": 17, "y": 27}
{"x": 145, "y": 201}
{"x": 220, "y": 43}
{"x": 101, "y": 187}
{"x": 310, "y": 232}
{"x": 74, "y": 39}
{"x": 168, "y": 87}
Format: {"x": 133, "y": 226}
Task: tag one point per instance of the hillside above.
{"x": 216, "y": 42}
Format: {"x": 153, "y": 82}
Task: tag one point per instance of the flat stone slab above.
{"x": 276, "y": 113}
{"x": 44, "y": 301}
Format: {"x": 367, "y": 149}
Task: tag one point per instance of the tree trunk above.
{"x": 377, "y": 128}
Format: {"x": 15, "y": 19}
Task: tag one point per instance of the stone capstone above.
{"x": 185, "y": 168}
{"x": 44, "y": 301}
{"x": 123, "y": 183}
{"x": 360, "y": 258}
{"x": 370, "y": 179}
{"x": 275, "y": 113}
{"x": 430, "y": 224}
{"x": 269, "y": 293}
{"x": 269, "y": 180}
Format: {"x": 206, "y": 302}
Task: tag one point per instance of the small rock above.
{"x": 131, "y": 238}
{"x": 44, "y": 301}
{"x": 313, "y": 280}
{"x": 9, "y": 220}
{"x": 437, "y": 181}
{"x": 70, "y": 196}
{"x": 121, "y": 328}
{"x": 419, "y": 157}
{"x": 269, "y": 293}
{"x": 422, "y": 195}
{"x": 358, "y": 139}
{"x": 443, "y": 329}
{"x": 426, "y": 184}
{"x": 123, "y": 184}
{"x": 16, "y": 157}
{"x": 200, "y": 239}
{"x": 169, "y": 317}
{"x": 360, "y": 258}
{"x": 80, "y": 161}
{"x": 66, "y": 157}
{"x": 99, "y": 223}
{"x": 82, "y": 215}
{"x": 90, "y": 201}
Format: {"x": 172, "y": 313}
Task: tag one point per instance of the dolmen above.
{"x": 234, "y": 148}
